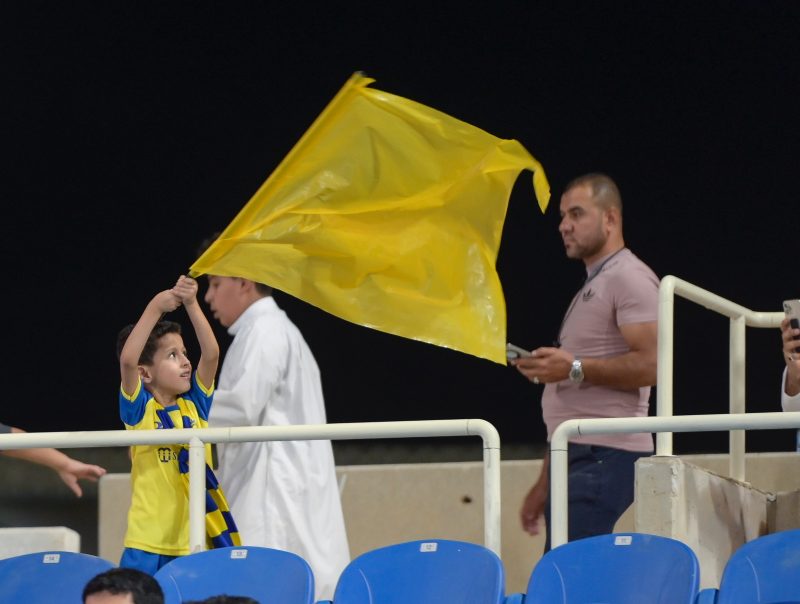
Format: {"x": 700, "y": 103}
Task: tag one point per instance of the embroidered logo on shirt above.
{"x": 588, "y": 295}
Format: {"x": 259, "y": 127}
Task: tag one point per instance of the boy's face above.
{"x": 171, "y": 371}
{"x": 225, "y": 297}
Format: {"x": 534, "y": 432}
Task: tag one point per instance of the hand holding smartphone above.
{"x": 515, "y": 352}
{"x": 792, "y": 310}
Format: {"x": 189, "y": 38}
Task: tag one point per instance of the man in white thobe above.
{"x": 283, "y": 494}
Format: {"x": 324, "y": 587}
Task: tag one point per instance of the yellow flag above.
{"x": 389, "y": 214}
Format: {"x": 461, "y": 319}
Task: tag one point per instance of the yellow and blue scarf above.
{"x": 221, "y": 529}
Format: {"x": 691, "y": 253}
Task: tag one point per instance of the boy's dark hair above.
{"x": 261, "y": 288}
{"x": 143, "y": 588}
{"x": 161, "y": 329}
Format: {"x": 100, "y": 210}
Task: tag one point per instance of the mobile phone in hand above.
{"x": 792, "y": 310}
{"x": 515, "y": 352}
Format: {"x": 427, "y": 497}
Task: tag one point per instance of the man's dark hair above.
{"x": 604, "y": 190}
{"x": 161, "y": 329}
{"x": 261, "y": 288}
{"x": 225, "y": 600}
{"x": 143, "y": 588}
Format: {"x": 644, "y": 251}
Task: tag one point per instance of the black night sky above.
{"x": 132, "y": 130}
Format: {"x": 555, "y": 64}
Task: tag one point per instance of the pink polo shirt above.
{"x": 624, "y": 291}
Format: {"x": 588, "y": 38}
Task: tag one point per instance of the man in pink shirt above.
{"x": 602, "y": 365}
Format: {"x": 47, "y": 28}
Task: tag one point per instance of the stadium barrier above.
{"x": 197, "y": 439}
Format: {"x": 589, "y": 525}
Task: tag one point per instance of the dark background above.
{"x": 132, "y": 130}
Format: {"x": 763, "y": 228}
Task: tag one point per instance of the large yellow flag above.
{"x": 389, "y": 214}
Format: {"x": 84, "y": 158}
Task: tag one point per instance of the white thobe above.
{"x": 283, "y": 495}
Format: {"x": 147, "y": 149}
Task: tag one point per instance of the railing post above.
{"x": 559, "y": 483}
{"x": 736, "y": 387}
{"x": 491, "y": 482}
{"x": 197, "y": 495}
{"x": 666, "y": 347}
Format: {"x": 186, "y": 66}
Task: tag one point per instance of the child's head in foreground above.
{"x": 163, "y": 364}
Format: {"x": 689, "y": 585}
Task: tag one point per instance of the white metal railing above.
{"x": 559, "y": 495}
{"x": 740, "y": 318}
{"x": 197, "y": 438}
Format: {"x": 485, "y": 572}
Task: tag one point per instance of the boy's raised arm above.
{"x": 186, "y": 290}
{"x": 162, "y": 302}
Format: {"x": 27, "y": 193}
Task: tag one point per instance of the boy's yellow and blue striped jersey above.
{"x": 158, "y": 520}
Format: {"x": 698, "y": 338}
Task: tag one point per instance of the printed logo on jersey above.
{"x": 166, "y": 455}
{"x": 588, "y": 295}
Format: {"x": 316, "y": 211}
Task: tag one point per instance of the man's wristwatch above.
{"x": 576, "y": 372}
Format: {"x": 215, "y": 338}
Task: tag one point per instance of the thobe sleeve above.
{"x": 259, "y": 365}
{"x": 228, "y": 410}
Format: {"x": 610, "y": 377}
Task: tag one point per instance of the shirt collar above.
{"x": 590, "y": 269}
{"x": 263, "y": 306}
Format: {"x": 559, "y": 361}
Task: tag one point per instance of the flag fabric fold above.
{"x": 388, "y": 214}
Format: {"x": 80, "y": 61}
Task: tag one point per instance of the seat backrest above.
{"x": 47, "y": 577}
{"x": 269, "y": 576}
{"x": 766, "y": 569}
{"x": 628, "y": 568}
{"x": 423, "y": 572}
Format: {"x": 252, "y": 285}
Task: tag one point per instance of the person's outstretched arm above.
{"x": 68, "y": 469}
{"x": 186, "y": 290}
{"x": 533, "y": 505}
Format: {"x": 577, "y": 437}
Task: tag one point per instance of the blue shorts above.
{"x": 600, "y": 489}
{"x": 146, "y": 562}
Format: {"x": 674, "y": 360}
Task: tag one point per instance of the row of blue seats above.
{"x": 626, "y": 568}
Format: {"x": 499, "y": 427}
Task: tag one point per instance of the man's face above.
{"x": 224, "y": 297}
{"x": 583, "y": 224}
{"x": 105, "y": 597}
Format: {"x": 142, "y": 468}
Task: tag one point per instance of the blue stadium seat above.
{"x": 423, "y": 572}
{"x": 765, "y": 570}
{"x": 269, "y": 576}
{"x": 47, "y": 577}
{"x": 630, "y": 568}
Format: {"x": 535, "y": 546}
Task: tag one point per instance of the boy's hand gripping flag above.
{"x": 389, "y": 214}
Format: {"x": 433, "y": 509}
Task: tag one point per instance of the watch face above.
{"x": 576, "y": 373}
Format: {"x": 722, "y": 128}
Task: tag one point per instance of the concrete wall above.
{"x": 712, "y": 513}
{"x": 29, "y": 540}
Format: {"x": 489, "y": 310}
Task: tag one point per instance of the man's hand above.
{"x": 74, "y": 470}
{"x": 533, "y": 508}
{"x": 186, "y": 290}
{"x": 545, "y": 365}
{"x": 792, "y": 358}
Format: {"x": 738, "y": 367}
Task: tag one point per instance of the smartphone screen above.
{"x": 515, "y": 352}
